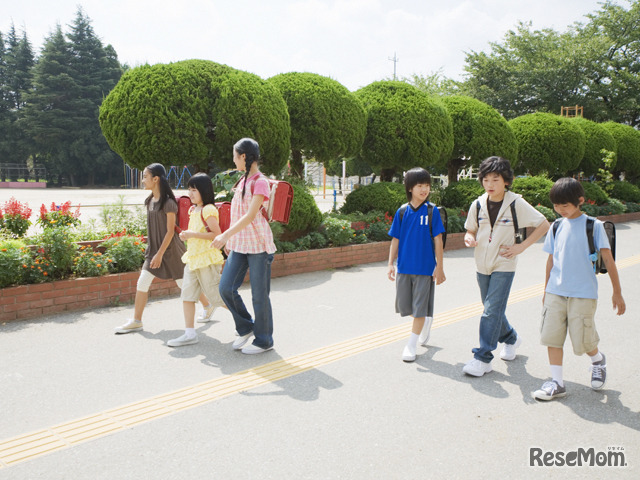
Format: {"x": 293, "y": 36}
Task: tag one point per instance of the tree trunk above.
{"x": 452, "y": 169}
{"x": 297, "y": 167}
{"x": 386, "y": 174}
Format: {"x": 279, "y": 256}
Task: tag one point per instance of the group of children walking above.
{"x": 415, "y": 264}
{"x": 197, "y": 269}
{"x": 493, "y": 228}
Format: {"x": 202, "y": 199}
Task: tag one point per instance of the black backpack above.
{"x": 519, "y": 233}
{"x": 596, "y": 258}
{"x": 443, "y": 217}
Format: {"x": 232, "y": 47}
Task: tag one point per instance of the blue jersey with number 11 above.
{"x": 415, "y": 248}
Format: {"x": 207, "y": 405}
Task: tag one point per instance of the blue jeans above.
{"x": 494, "y": 327}
{"x": 235, "y": 269}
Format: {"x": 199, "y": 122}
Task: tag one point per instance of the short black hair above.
{"x": 566, "y": 190}
{"x": 414, "y": 177}
{"x": 497, "y": 165}
{"x": 202, "y": 182}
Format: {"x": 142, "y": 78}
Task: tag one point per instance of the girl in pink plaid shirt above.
{"x": 250, "y": 244}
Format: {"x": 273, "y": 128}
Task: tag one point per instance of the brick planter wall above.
{"x": 28, "y": 301}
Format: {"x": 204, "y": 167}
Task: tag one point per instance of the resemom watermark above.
{"x": 580, "y": 457}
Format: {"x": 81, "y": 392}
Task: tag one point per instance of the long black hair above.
{"x": 251, "y": 149}
{"x": 157, "y": 170}
{"x": 202, "y": 183}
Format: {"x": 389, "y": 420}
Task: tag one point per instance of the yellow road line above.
{"x": 29, "y": 446}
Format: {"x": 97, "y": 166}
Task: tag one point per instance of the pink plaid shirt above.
{"x": 257, "y": 236}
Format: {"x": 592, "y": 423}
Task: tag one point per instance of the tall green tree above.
{"x": 327, "y": 120}
{"x": 72, "y": 77}
{"x": 17, "y": 64}
{"x": 479, "y": 131}
{"x": 49, "y": 114}
{"x": 406, "y": 128}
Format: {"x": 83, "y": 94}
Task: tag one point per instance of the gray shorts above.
{"x": 414, "y": 295}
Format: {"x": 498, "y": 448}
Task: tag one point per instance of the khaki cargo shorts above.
{"x": 560, "y": 314}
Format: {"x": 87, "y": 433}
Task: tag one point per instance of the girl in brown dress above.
{"x": 163, "y": 257}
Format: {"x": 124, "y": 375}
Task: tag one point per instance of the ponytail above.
{"x": 250, "y": 148}
{"x": 157, "y": 170}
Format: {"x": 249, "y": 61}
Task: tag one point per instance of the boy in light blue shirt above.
{"x": 571, "y": 289}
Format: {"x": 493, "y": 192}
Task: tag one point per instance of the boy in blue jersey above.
{"x": 571, "y": 289}
{"x": 418, "y": 248}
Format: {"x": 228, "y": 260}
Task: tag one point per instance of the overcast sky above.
{"x": 350, "y": 41}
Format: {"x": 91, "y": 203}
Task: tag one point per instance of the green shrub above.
{"x": 631, "y": 207}
{"x": 612, "y": 207}
{"x": 90, "y": 264}
{"x": 89, "y": 231}
{"x": 305, "y": 214}
{"x": 116, "y": 217}
{"x": 548, "y": 213}
{"x": 59, "y": 249}
{"x": 378, "y": 232}
{"x": 535, "y": 190}
{"x": 591, "y": 210}
{"x": 126, "y": 253}
{"x": 625, "y": 191}
{"x": 11, "y": 262}
{"x": 338, "y": 232}
{"x": 461, "y": 193}
{"x": 382, "y": 196}
{"x": 286, "y": 247}
{"x": 318, "y": 240}
{"x": 594, "y": 194}
{"x": 455, "y": 222}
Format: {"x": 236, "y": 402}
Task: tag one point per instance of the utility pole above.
{"x": 395, "y": 60}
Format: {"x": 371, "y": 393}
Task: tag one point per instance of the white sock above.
{"x": 190, "y": 332}
{"x": 596, "y": 358}
{"x": 413, "y": 341}
{"x": 556, "y": 374}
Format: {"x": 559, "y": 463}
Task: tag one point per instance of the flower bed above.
{"x": 28, "y": 301}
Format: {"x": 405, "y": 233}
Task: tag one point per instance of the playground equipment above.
{"x": 178, "y": 181}
{"x": 569, "y": 112}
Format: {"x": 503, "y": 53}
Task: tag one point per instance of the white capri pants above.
{"x": 145, "y": 279}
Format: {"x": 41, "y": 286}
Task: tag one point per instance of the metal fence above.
{"x": 15, "y": 172}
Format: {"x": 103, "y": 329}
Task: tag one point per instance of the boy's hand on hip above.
{"x": 511, "y": 250}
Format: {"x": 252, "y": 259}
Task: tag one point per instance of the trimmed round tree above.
{"x": 627, "y": 148}
{"x": 244, "y": 105}
{"x": 406, "y": 128}
{"x": 161, "y": 113}
{"x": 597, "y": 138}
{"x": 547, "y": 143}
{"x": 192, "y": 112}
{"x": 327, "y": 120}
{"x": 479, "y": 131}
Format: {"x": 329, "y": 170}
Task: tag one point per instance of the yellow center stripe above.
{"x": 32, "y": 445}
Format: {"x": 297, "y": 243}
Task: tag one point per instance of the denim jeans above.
{"x": 235, "y": 269}
{"x": 494, "y": 327}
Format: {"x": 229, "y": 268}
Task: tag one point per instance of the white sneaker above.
{"x": 182, "y": 341}
{"x": 205, "y": 314}
{"x": 426, "y": 332}
{"x": 252, "y": 349}
{"x": 131, "y": 326}
{"x": 476, "y": 368}
{"x": 240, "y": 342}
{"x": 408, "y": 354}
{"x": 509, "y": 351}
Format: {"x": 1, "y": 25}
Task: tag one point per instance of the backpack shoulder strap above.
{"x": 514, "y": 218}
{"x": 590, "y": 223}
{"x": 203, "y": 221}
{"x": 554, "y": 227}
{"x": 429, "y": 217}
{"x": 478, "y": 213}
{"x": 403, "y": 208}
